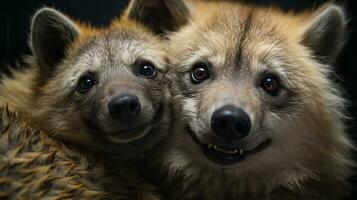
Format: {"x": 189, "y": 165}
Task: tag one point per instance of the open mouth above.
{"x": 224, "y": 156}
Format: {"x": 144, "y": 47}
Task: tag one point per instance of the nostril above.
{"x": 239, "y": 127}
{"x": 133, "y": 106}
{"x": 114, "y": 109}
{"x": 219, "y": 124}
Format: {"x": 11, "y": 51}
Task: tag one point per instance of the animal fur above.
{"x": 34, "y": 166}
{"x": 63, "y": 52}
{"x": 111, "y": 50}
{"x": 309, "y": 156}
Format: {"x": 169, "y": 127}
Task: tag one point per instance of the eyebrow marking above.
{"x": 246, "y": 28}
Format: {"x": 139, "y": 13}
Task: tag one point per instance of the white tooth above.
{"x": 241, "y": 151}
{"x": 224, "y": 150}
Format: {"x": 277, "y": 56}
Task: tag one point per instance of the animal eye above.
{"x": 86, "y": 83}
{"x": 271, "y": 85}
{"x": 146, "y": 69}
{"x": 199, "y": 73}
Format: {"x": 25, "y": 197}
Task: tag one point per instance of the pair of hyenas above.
{"x": 186, "y": 99}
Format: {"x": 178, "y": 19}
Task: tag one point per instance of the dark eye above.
{"x": 86, "y": 83}
{"x": 146, "y": 69}
{"x": 200, "y": 73}
{"x": 271, "y": 85}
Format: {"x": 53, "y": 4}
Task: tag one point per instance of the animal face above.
{"x": 108, "y": 88}
{"x": 255, "y": 91}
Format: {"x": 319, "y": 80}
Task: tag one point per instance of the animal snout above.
{"x": 125, "y": 108}
{"x": 231, "y": 123}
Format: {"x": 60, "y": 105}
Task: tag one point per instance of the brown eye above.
{"x": 271, "y": 85}
{"x": 200, "y": 73}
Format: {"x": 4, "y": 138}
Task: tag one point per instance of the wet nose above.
{"x": 231, "y": 123}
{"x": 125, "y": 108}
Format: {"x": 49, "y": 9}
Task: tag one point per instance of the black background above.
{"x": 16, "y": 15}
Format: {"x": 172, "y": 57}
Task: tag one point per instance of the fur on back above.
{"x": 33, "y": 166}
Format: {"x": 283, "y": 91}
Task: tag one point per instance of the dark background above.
{"x": 15, "y": 16}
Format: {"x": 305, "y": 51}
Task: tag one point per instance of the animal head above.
{"x": 99, "y": 87}
{"x": 256, "y": 95}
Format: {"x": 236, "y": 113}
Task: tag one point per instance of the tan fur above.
{"x": 21, "y": 92}
{"x": 31, "y": 163}
{"x": 34, "y": 166}
{"x": 309, "y": 157}
{"x": 110, "y": 52}
{"x": 53, "y": 91}
{"x": 13, "y": 92}
{"x": 17, "y": 90}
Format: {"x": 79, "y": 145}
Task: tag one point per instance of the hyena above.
{"x": 259, "y": 115}
{"x": 101, "y": 91}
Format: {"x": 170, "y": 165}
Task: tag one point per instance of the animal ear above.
{"x": 159, "y": 15}
{"x": 324, "y": 36}
{"x": 51, "y": 35}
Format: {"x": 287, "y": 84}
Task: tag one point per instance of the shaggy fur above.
{"x": 33, "y": 166}
{"x": 47, "y": 89}
{"x": 64, "y": 52}
{"x": 308, "y": 155}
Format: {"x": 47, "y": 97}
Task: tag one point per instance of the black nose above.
{"x": 125, "y": 108}
{"x": 231, "y": 123}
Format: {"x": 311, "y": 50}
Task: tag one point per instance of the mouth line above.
{"x": 129, "y": 135}
{"x": 134, "y": 134}
{"x": 223, "y": 156}
{"x": 135, "y": 129}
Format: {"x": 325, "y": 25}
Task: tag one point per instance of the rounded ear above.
{"x": 159, "y": 15}
{"x": 325, "y": 34}
{"x": 51, "y": 35}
